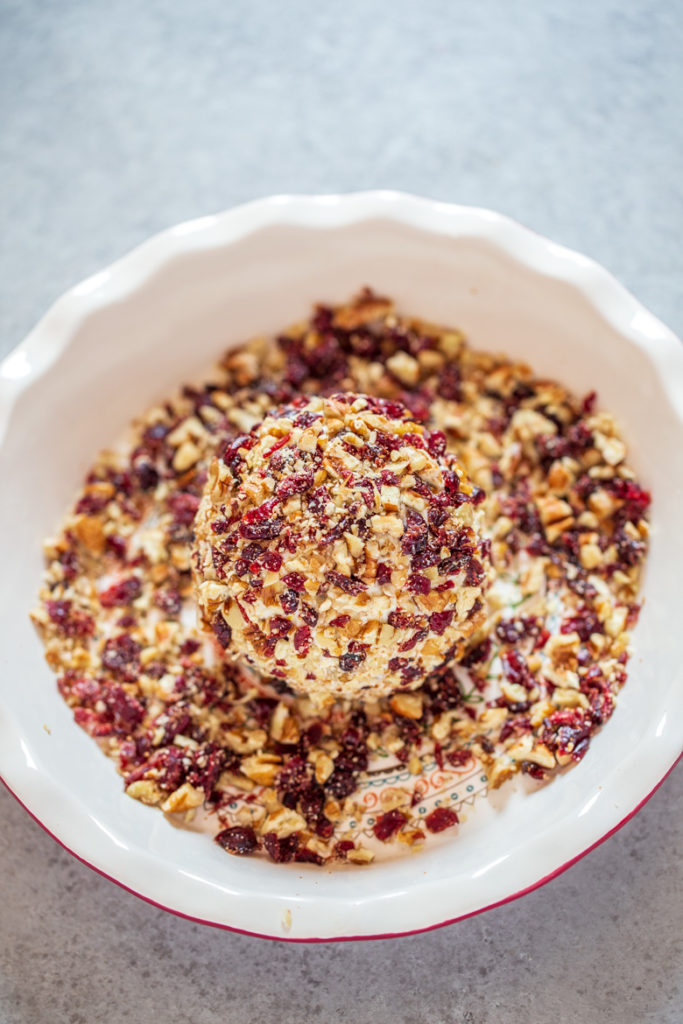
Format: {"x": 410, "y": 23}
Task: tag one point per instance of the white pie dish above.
{"x": 126, "y": 337}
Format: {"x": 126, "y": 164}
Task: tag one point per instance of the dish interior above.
{"x": 133, "y": 350}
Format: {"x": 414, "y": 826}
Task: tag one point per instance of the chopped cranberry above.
{"x": 207, "y": 764}
{"x": 219, "y": 526}
{"x": 289, "y": 601}
{"x": 387, "y": 825}
{"x": 281, "y": 850}
{"x": 121, "y": 655}
{"x": 239, "y": 839}
{"x": 509, "y": 631}
{"x": 449, "y": 385}
{"x": 400, "y": 619}
{"x": 91, "y": 504}
{"x": 121, "y": 593}
{"x": 533, "y": 770}
{"x": 459, "y": 757}
{"x": 588, "y": 403}
{"x": 349, "y": 584}
{"x": 517, "y": 670}
{"x": 187, "y": 647}
{"x": 436, "y": 443}
{"x": 441, "y": 818}
{"x": 478, "y": 654}
{"x": 277, "y": 446}
{"x": 260, "y": 523}
{"x": 231, "y": 454}
{"x": 183, "y": 507}
{"x": 272, "y": 560}
{"x": 440, "y": 621}
{"x": 418, "y": 636}
{"x": 306, "y": 856}
{"x": 585, "y": 622}
{"x": 418, "y": 584}
{"x": 169, "y": 601}
{"x": 350, "y": 662}
{"x": 308, "y": 614}
{"x": 222, "y": 631}
{"x": 295, "y": 581}
{"x": 415, "y": 535}
{"x": 279, "y": 626}
{"x": 636, "y": 499}
{"x": 302, "y": 640}
{"x": 341, "y": 621}
{"x": 70, "y": 620}
{"x": 172, "y": 722}
{"x": 383, "y": 573}
{"x": 340, "y": 784}
{"x": 297, "y": 483}
{"x": 117, "y": 545}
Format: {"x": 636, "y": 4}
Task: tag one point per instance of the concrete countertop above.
{"x": 119, "y": 119}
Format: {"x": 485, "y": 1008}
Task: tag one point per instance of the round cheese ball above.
{"x": 338, "y": 549}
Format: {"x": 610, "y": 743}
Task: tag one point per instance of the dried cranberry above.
{"x": 517, "y": 670}
{"x": 172, "y": 722}
{"x": 636, "y": 499}
{"x": 121, "y": 655}
{"x": 533, "y": 770}
{"x": 349, "y": 584}
{"x": 441, "y": 818}
{"x": 302, "y": 640}
{"x": 400, "y": 619}
{"x": 281, "y": 850}
{"x": 295, "y": 581}
{"x": 436, "y": 443}
{"x": 585, "y": 622}
{"x": 169, "y": 601}
{"x": 183, "y": 507}
{"x": 272, "y": 560}
{"x": 449, "y": 384}
{"x": 350, "y": 662}
{"x": 279, "y": 625}
{"x": 387, "y": 825}
{"x": 122, "y": 593}
{"x": 260, "y": 523}
{"x": 289, "y": 601}
{"x": 509, "y": 631}
{"x": 306, "y": 856}
{"x": 117, "y": 545}
{"x": 340, "y": 784}
{"x": 222, "y": 631}
{"x": 308, "y": 614}
{"x": 383, "y": 573}
{"x": 459, "y": 757}
{"x": 239, "y": 839}
{"x": 418, "y": 584}
{"x": 207, "y": 764}
{"x": 418, "y": 636}
{"x": 440, "y": 621}
{"x": 297, "y": 483}
{"x": 231, "y": 454}
{"x": 70, "y": 620}
{"x": 415, "y": 535}
{"x": 219, "y": 526}
{"x": 588, "y": 403}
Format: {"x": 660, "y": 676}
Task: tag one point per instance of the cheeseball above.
{"x": 337, "y": 548}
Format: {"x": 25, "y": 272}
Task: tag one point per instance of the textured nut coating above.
{"x": 337, "y": 548}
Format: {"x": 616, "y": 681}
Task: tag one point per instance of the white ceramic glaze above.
{"x": 126, "y": 337}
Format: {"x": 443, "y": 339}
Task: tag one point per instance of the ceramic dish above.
{"x": 126, "y": 337}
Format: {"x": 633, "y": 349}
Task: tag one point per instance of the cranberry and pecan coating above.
{"x": 338, "y": 549}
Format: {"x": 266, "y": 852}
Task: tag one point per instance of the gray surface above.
{"x": 120, "y": 119}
